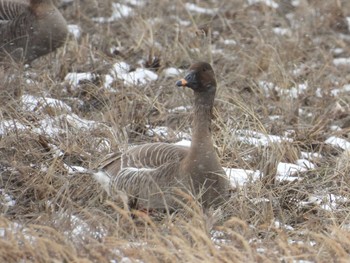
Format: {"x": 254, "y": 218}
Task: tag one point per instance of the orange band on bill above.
{"x": 183, "y": 82}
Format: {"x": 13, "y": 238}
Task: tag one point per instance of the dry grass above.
{"x": 60, "y": 217}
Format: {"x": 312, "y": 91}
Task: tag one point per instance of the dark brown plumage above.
{"x": 151, "y": 175}
{"x": 30, "y": 30}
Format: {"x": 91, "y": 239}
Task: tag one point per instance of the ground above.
{"x": 280, "y": 125}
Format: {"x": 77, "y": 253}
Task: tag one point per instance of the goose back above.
{"x": 30, "y": 30}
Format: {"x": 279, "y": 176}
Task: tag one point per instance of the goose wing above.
{"x": 148, "y": 174}
{"x": 152, "y": 155}
{"x": 10, "y": 9}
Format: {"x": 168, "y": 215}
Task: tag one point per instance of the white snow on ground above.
{"x": 219, "y": 237}
{"x": 135, "y": 2}
{"x": 337, "y": 51}
{"x": 139, "y": 76}
{"x": 286, "y": 171}
{"x": 121, "y": 68}
{"x": 310, "y": 155}
{"x": 184, "y": 142}
{"x": 341, "y": 61}
{"x": 79, "y": 227}
{"x": 238, "y": 177}
{"x": 197, "y": 9}
{"x": 108, "y": 80}
{"x": 166, "y": 132}
{"x": 306, "y": 164}
{"x": 49, "y": 127}
{"x": 32, "y": 103}
{"x": 160, "y": 131}
{"x": 74, "y": 30}
{"x": 293, "y": 92}
{"x": 5, "y": 199}
{"x": 329, "y": 202}
{"x": 344, "y": 89}
{"x": 282, "y": 31}
{"x": 120, "y": 71}
{"x": 80, "y": 123}
{"x": 119, "y": 11}
{"x": 59, "y": 124}
{"x": 280, "y": 225}
{"x": 230, "y": 42}
{"x": 295, "y": 2}
{"x": 13, "y": 227}
{"x": 74, "y": 78}
{"x": 73, "y": 169}
{"x": 338, "y": 142}
{"x": 257, "y": 138}
{"x": 180, "y": 109}
{"x": 9, "y": 126}
{"x": 171, "y": 72}
{"x": 270, "y": 3}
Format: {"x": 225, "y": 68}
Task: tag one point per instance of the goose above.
{"x": 158, "y": 176}
{"x": 29, "y": 30}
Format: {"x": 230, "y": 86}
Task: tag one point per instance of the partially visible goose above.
{"x": 30, "y": 30}
{"x": 151, "y": 174}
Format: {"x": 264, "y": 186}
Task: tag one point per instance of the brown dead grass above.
{"x": 60, "y": 217}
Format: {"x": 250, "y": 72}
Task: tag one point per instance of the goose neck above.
{"x": 201, "y": 125}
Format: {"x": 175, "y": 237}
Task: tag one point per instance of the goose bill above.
{"x": 181, "y": 83}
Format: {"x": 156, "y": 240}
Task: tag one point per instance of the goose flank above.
{"x": 29, "y": 30}
{"x": 155, "y": 175}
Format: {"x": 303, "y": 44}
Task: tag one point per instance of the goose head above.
{"x": 200, "y": 78}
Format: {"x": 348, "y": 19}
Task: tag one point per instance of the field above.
{"x": 281, "y": 126}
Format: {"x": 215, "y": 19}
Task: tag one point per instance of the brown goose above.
{"x": 149, "y": 174}
{"x": 30, "y": 30}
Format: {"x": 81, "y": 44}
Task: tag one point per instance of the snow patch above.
{"x": 341, "y": 61}
{"x": 293, "y": 92}
{"x": 230, "y": 42}
{"x": 9, "y": 126}
{"x": 75, "y": 78}
{"x": 184, "y": 142}
{"x": 344, "y": 89}
{"x": 6, "y": 200}
{"x": 172, "y": 72}
{"x": 121, "y": 70}
{"x": 257, "y": 138}
{"x": 269, "y": 3}
{"x": 282, "y": 31}
{"x": 119, "y": 11}
{"x": 310, "y": 155}
{"x": 201, "y": 10}
{"x": 338, "y": 142}
{"x": 285, "y": 171}
{"x": 238, "y": 177}
{"x": 32, "y": 103}
{"x": 74, "y": 30}
{"x": 180, "y": 109}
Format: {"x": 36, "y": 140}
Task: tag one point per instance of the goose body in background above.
{"x": 29, "y": 30}
{"x": 159, "y": 175}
